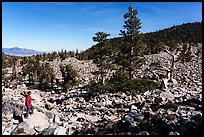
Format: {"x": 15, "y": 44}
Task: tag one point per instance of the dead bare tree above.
{"x": 177, "y": 55}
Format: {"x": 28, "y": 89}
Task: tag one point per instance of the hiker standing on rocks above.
{"x": 28, "y": 104}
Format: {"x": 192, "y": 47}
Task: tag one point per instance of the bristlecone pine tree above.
{"x": 102, "y": 54}
{"x": 45, "y": 77}
{"x": 130, "y": 57}
{"x": 70, "y": 76}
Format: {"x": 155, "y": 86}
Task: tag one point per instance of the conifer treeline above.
{"x": 155, "y": 41}
{"x": 37, "y": 72}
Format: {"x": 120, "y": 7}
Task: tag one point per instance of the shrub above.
{"x": 19, "y": 131}
{"x": 48, "y": 131}
{"x": 97, "y": 87}
{"x": 117, "y": 81}
{"x": 141, "y": 85}
{"x": 70, "y": 76}
{"x": 120, "y": 82}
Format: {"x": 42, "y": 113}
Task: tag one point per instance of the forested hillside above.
{"x": 155, "y": 41}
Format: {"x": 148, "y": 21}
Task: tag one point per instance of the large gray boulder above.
{"x": 21, "y": 129}
{"x": 38, "y": 119}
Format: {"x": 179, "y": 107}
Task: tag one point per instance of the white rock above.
{"x": 56, "y": 119}
{"x": 168, "y": 95}
{"x": 108, "y": 103}
{"x": 174, "y": 81}
{"x": 72, "y": 119}
{"x": 91, "y": 118}
{"x": 83, "y": 91}
{"x": 199, "y": 84}
{"x": 165, "y": 81}
{"x": 15, "y": 121}
{"x": 37, "y": 119}
{"x": 133, "y": 107}
{"x": 32, "y": 131}
{"x": 71, "y": 130}
{"x": 111, "y": 118}
{"x": 60, "y": 131}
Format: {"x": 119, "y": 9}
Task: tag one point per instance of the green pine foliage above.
{"x": 120, "y": 82}
{"x": 185, "y": 33}
{"x": 130, "y": 56}
{"x": 45, "y": 77}
{"x": 155, "y": 41}
{"x": 102, "y": 54}
{"x": 70, "y": 77}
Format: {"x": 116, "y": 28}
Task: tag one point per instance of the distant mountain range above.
{"x": 16, "y": 51}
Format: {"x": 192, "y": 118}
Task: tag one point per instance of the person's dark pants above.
{"x": 29, "y": 111}
{"x": 19, "y": 118}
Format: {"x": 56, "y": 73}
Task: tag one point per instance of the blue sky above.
{"x": 52, "y": 26}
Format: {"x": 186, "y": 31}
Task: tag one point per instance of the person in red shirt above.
{"x": 28, "y": 104}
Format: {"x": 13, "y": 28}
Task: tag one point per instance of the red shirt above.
{"x": 28, "y": 101}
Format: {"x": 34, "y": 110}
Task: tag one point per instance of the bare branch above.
{"x": 167, "y": 51}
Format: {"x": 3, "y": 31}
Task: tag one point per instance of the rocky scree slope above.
{"x": 174, "y": 111}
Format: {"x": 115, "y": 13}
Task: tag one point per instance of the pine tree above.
{"x": 77, "y": 54}
{"x": 14, "y": 73}
{"x": 43, "y": 81}
{"x": 62, "y": 55}
{"x": 30, "y": 70}
{"x": 130, "y": 56}
{"x": 4, "y": 66}
{"x": 45, "y": 77}
{"x": 102, "y": 54}
{"x": 70, "y": 76}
